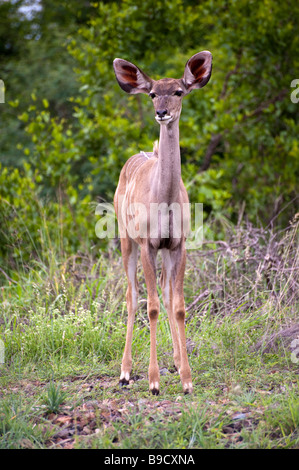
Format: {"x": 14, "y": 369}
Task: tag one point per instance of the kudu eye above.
{"x": 152, "y": 95}
{"x": 178, "y": 93}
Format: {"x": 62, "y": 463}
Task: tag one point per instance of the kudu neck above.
{"x": 168, "y": 175}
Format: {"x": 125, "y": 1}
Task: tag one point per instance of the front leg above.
{"x": 129, "y": 251}
{"x": 148, "y": 258}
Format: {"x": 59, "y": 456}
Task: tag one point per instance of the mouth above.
{"x": 164, "y": 119}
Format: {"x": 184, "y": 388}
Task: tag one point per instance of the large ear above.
{"x": 130, "y": 78}
{"x": 198, "y": 70}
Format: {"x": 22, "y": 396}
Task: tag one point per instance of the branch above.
{"x": 267, "y": 343}
{"x": 265, "y": 105}
{"x": 215, "y": 139}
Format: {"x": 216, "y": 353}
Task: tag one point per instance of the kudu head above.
{"x": 167, "y": 93}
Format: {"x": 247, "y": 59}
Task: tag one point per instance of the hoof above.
{"x": 123, "y": 382}
{"x": 124, "y": 379}
{"x": 154, "y": 388}
{"x": 188, "y": 389}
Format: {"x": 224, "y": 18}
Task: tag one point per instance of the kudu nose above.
{"x": 161, "y": 112}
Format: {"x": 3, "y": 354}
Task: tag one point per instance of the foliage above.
{"x": 33, "y": 59}
{"x": 66, "y": 129}
{"x": 241, "y": 129}
{"x": 31, "y": 228}
{"x": 76, "y": 127}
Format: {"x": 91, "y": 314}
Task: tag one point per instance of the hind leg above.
{"x": 178, "y": 257}
{"x": 167, "y": 291}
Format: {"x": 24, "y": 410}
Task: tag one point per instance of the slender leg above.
{"x": 167, "y": 291}
{"x": 179, "y": 261}
{"x": 148, "y": 258}
{"x": 130, "y": 256}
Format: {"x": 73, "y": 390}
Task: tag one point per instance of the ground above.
{"x": 63, "y": 324}
{"x": 97, "y": 413}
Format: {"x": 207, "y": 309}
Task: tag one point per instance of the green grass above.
{"x": 63, "y": 326}
{"x": 55, "y": 397}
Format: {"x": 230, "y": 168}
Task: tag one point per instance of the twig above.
{"x": 265, "y": 104}
{"x": 267, "y": 344}
{"x": 270, "y": 224}
{"x": 7, "y": 276}
{"x": 197, "y": 299}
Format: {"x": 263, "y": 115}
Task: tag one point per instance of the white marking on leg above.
{"x": 154, "y": 385}
{"x": 188, "y": 387}
{"x": 124, "y": 375}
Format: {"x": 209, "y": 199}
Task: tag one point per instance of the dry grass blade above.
{"x": 252, "y": 267}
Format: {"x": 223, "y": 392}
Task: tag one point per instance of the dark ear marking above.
{"x": 198, "y": 70}
{"x": 130, "y": 78}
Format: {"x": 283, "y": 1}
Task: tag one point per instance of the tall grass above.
{"x": 64, "y": 316}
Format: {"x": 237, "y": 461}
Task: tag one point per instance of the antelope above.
{"x": 149, "y": 180}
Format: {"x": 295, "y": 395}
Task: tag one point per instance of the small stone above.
{"x": 239, "y": 416}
